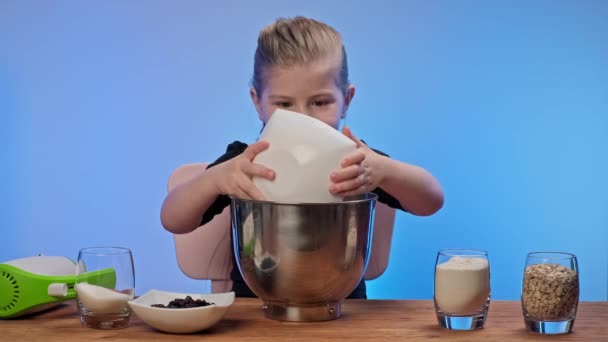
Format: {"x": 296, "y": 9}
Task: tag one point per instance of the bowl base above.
{"x": 302, "y": 312}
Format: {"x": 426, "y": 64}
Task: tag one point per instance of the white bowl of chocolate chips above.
{"x": 181, "y": 313}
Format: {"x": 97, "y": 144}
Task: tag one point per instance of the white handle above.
{"x": 58, "y": 290}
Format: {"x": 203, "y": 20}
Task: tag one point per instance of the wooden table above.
{"x": 362, "y": 320}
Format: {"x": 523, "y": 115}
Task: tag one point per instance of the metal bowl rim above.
{"x": 363, "y": 198}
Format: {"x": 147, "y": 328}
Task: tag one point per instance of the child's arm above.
{"x": 364, "y": 170}
{"x": 185, "y": 205}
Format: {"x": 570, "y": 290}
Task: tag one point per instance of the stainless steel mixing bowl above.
{"x": 303, "y": 260}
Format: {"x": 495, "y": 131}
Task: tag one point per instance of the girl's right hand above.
{"x": 234, "y": 177}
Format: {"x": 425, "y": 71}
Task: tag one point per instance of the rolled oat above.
{"x": 550, "y": 292}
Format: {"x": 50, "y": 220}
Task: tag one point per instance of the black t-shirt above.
{"x": 222, "y": 201}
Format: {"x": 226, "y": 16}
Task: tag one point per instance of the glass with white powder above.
{"x": 462, "y": 288}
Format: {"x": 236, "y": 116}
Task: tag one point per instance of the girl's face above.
{"x": 310, "y": 89}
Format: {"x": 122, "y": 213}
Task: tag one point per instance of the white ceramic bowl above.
{"x": 303, "y": 151}
{"x": 181, "y": 321}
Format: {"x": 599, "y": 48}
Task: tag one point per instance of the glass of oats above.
{"x": 550, "y": 292}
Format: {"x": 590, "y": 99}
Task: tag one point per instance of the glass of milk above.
{"x": 462, "y": 288}
{"x": 105, "y": 282}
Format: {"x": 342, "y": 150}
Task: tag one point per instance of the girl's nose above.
{"x": 301, "y": 109}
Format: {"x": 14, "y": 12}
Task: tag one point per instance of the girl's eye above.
{"x": 283, "y": 104}
{"x": 320, "y": 103}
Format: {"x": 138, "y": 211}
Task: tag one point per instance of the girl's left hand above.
{"x": 360, "y": 172}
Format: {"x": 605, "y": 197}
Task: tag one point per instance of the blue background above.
{"x": 506, "y": 102}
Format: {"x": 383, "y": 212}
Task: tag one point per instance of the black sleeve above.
{"x": 383, "y": 196}
{"x": 222, "y": 201}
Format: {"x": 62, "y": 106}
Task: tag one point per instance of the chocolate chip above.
{"x": 179, "y": 303}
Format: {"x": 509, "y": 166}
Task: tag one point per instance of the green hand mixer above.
{"x": 37, "y": 283}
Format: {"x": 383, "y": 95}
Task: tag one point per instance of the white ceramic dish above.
{"x": 303, "y": 151}
{"x": 181, "y": 321}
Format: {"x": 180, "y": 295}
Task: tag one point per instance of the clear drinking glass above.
{"x": 462, "y": 288}
{"x": 105, "y": 282}
{"x": 550, "y": 292}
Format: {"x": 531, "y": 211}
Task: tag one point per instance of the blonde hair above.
{"x": 298, "y": 40}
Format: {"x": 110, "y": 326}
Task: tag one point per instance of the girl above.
{"x": 300, "y": 65}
